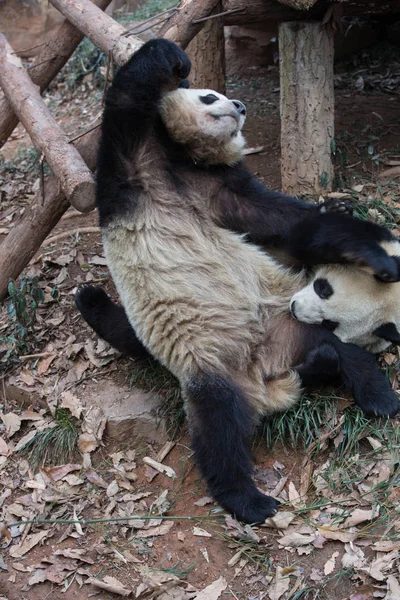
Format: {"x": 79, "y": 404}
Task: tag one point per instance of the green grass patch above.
{"x": 56, "y": 445}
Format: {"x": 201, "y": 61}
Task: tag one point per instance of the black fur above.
{"x": 388, "y": 332}
{"x": 109, "y": 321}
{"x": 221, "y": 422}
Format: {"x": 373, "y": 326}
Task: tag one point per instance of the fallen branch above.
{"x": 51, "y": 58}
{"x": 393, "y": 172}
{"x": 75, "y": 178}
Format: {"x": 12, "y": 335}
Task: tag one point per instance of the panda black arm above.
{"x": 130, "y": 112}
{"x": 308, "y": 233}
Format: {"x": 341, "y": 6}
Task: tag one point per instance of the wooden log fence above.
{"x": 26, "y": 237}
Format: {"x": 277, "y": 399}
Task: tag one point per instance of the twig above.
{"x": 77, "y": 137}
{"x": 109, "y": 520}
{"x": 150, "y": 26}
{"x": 39, "y": 355}
{"x": 42, "y": 62}
{"x": 221, "y": 14}
{"x": 160, "y": 14}
{"x": 4, "y": 395}
{"x": 31, "y": 48}
{"x": 41, "y": 173}
{"x": 255, "y": 150}
{"x": 65, "y": 234}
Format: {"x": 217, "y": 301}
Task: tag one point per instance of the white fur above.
{"x": 359, "y": 303}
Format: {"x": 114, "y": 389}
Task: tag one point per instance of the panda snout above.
{"x": 240, "y": 107}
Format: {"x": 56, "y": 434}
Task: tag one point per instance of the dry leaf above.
{"x": 87, "y": 442}
{"x": 96, "y": 479}
{"x": 213, "y": 591}
{"x": 330, "y": 533}
{"x": 57, "y": 473}
{"x": 294, "y": 540}
{"x": 3, "y": 447}
{"x": 365, "y": 592}
{"x": 12, "y": 423}
{"x": 38, "y": 576}
{"x": 181, "y": 536}
{"x": 203, "y": 501}
{"x": 329, "y": 566}
{"x": 393, "y": 592}
{"x": 72, "y": 403}
{"x": 45, "y": 363}
{"x": 162, "y": 529}
{"x": 360, "y": 516}
{"x": 201, "y": 532}
{"x": 27, "y": 378}
{"x": 30, "y": 542}
{"x": 294, "y": 496}
{"x": 281, "y": 520}
{"x": 279, "y": 586}
{"x": 112, "y": 489}
{"x": 24, "y": 440}
{"x": 110, "y": 584}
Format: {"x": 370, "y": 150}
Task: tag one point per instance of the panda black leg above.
{"x": 370, "y": 387}
{"x": 221, "y": 423}
{"x": 109, "y": 321}
{"x": 320, "y": 367}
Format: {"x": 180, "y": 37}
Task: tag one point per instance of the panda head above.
{"x": 352, "y": 303}
{"x": 207, "y": 123}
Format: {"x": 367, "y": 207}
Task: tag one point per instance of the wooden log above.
{"x": 75, "y": 178}
{"x": 25, "y": 239}
{"x": 186, "y": 23}
{"x": 258, "y": 11}
{"x": 207, "y": 53}
{"x": 100, "y": 28}
{"x": 45, "y": 67}
{"x": 307, "y": 106}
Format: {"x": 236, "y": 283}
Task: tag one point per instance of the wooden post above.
{"x": 207, "y": 53}
{"x": 26, "y": 237}
{"x": 45, "y": 67}
{"x": 307, "y": 107}
{"x": 75, "y": 178}
{"x": 101, "y": 29}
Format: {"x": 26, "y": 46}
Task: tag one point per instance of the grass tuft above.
{"x": 56, "y": 445}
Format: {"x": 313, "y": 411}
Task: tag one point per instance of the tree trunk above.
{"x": 307, "y": 107}
{"x": 100, "y": 28}
{"x": 183, "y": 25}
{"x": 25, "y": 239}
{"x": 207, "y": 53}
{"x": 49, "y": 61}
{"x": 64, "y": 159}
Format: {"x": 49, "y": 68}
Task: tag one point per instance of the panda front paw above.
{"x": 161, "y": 61}
{"x": 336, "y": 206}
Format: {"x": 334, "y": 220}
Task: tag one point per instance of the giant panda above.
{"x": 360, "y": 309}
{"x": 175, "y": 201}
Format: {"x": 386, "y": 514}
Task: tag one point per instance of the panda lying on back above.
{"x": 208, "y": 305}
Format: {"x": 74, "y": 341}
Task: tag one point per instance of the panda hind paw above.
{"x": 334, "y": 205}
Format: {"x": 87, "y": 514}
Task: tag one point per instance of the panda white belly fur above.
{"x": 201, "y": 299}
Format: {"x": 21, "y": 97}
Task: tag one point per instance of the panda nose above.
{"x": 292, "y": 309}
{"x": 240, "y": 107}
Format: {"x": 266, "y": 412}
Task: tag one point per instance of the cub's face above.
{"x": 353, "y": 304}
{"x": 207, "y": 122}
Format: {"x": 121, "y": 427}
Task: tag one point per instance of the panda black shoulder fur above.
{"x": 212, "y": 308}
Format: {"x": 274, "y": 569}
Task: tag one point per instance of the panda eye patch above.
{"x": 323, "y": 288}
{"x": 209, "y": 99}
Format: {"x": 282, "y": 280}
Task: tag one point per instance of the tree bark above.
{"x": 307, "y": 107}
{"x": 75, "y": 178}
{"x": 25, "y": 239}
{"x": 207, "y": 53}
{"x": 49, "y": 61}
{"x": 258, "y": 11}
{"x": 182, "y": 26}
{"x": 101, "y": 29}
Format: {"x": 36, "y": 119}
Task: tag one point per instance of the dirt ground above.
{"x": 321, "y": 557}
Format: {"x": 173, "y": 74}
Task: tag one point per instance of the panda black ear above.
{"x": 184, "y": 83}
{"x": 388, "y": 332}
